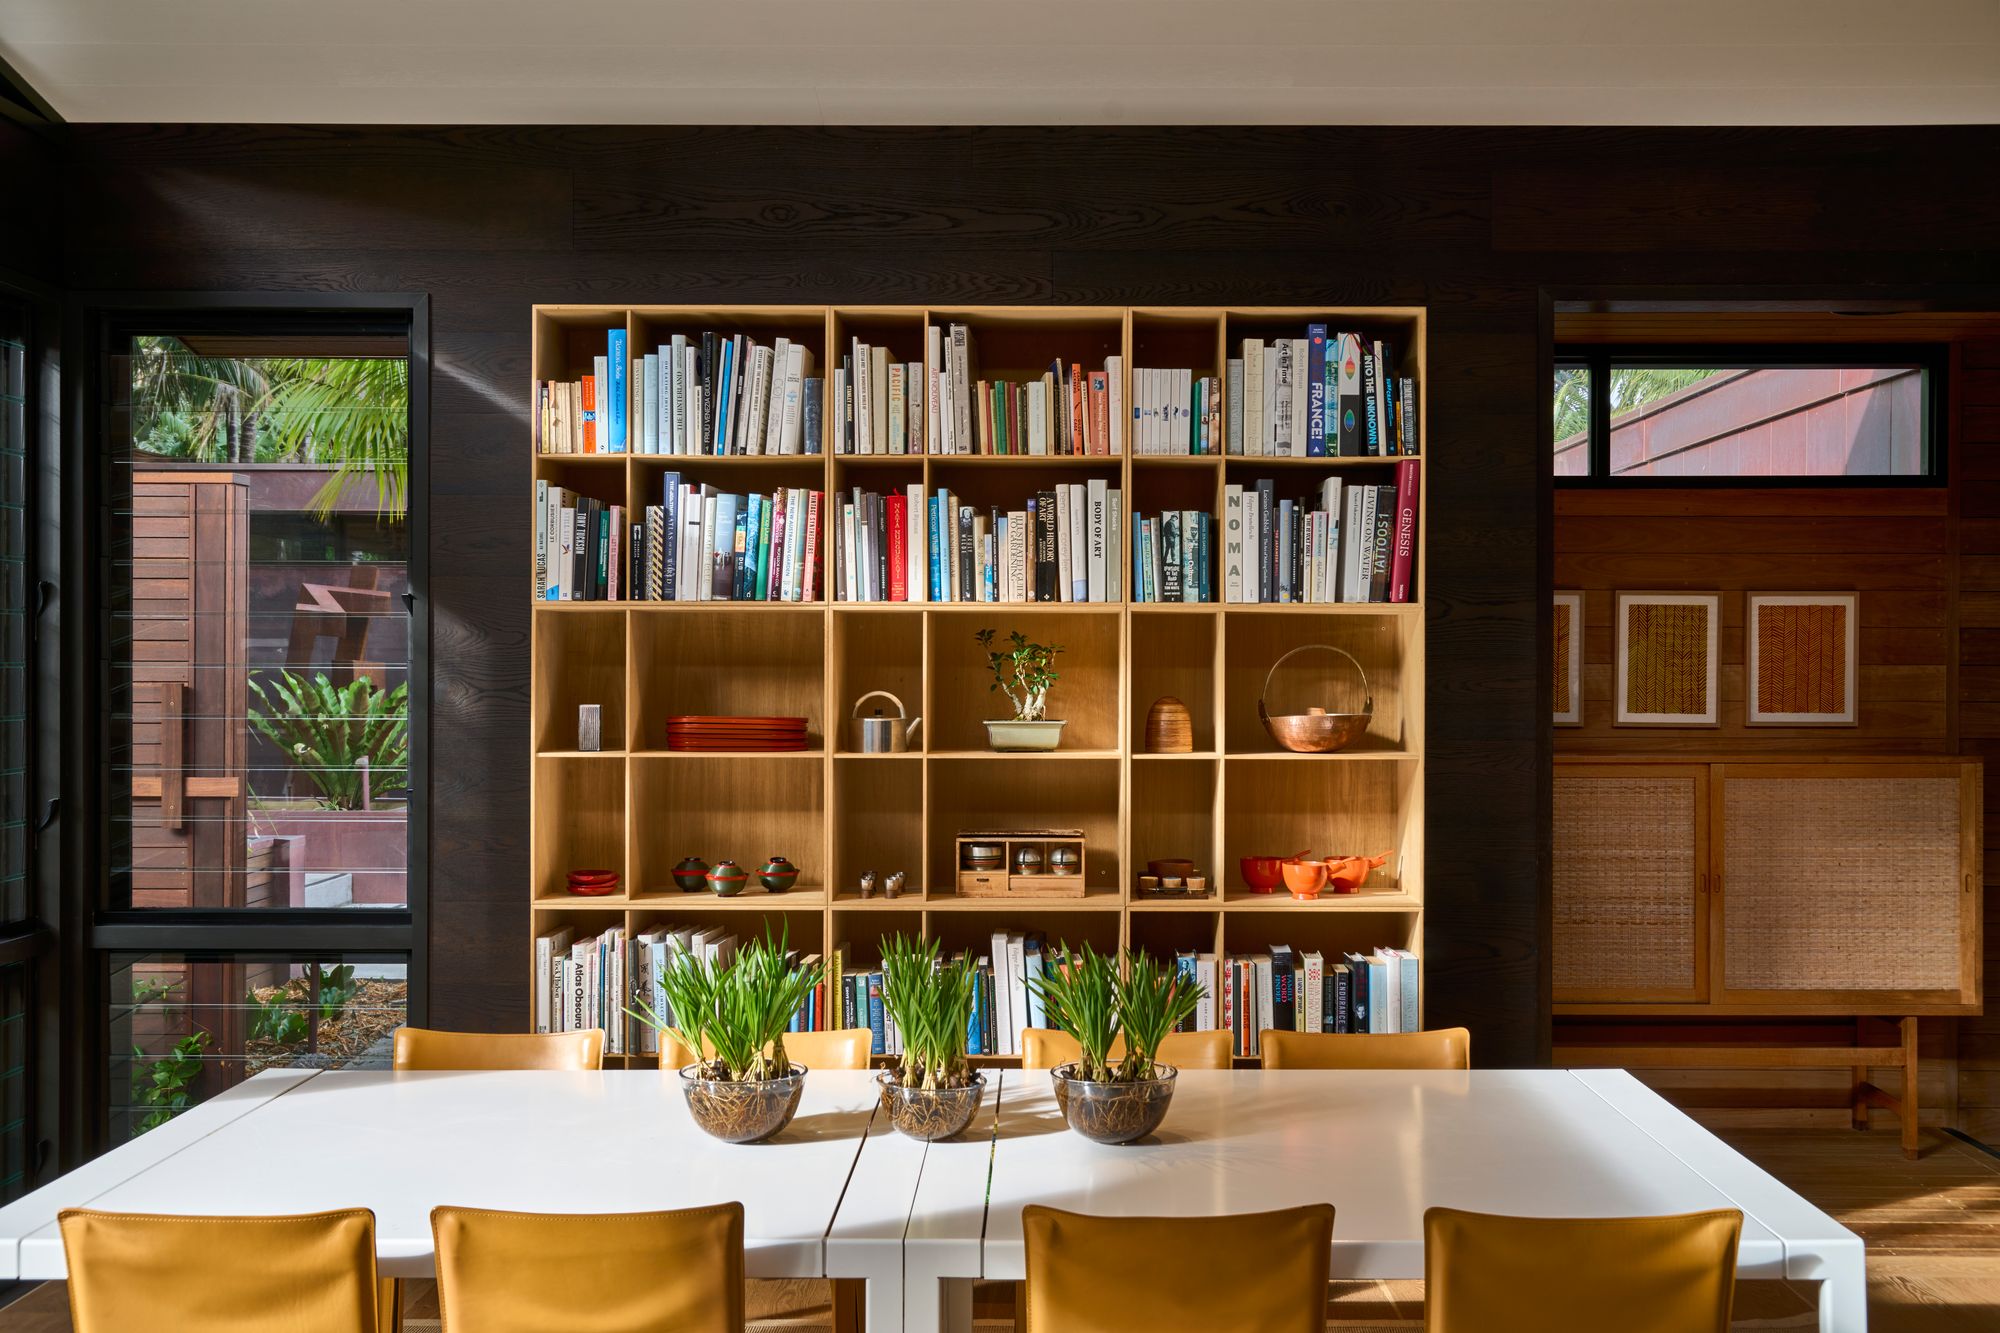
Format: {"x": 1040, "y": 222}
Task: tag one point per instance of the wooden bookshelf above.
{"x": 639, "y": 808}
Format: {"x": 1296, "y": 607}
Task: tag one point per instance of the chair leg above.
{"x": 389, "y": 1305}
{"x": 1912, "y": 1108}
{"x": 846, "y": 1300}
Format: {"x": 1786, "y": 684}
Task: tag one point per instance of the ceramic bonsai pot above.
{"x": 930, "y": 1114}
{"x": 742, "y": 1112}
{"x": 1024, "y": 736}
{"x": 1113, "y": 1112}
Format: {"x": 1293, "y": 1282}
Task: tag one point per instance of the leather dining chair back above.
{"x": 313, "y": 1273}
{"x": 1045, "y": 1048}
{"x": 843, "y": 1048}
{"x": 1440, "y": 1048}
{"x": 1491, "y": 1274}
{"x": 1247, "y": 1273}
{"x": 504, "y": 1272}
{"x": 428, "y": 1048}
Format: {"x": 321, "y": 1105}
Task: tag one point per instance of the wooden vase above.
{"x": 1169, "y": 727}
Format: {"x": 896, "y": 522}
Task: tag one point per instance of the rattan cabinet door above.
{"x": 1847, "y": 885}
{"x": 1631, "y": 867}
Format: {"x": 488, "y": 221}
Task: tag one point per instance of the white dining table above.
{"x": 840, "y": 1194}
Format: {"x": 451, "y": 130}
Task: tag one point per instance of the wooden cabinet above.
{"x": 1630, "y": 905}
{"x": 1747, "y": 886}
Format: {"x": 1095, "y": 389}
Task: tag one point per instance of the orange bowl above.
{"x": 1305, "y": 878}
{"x": 1264, "y": 874}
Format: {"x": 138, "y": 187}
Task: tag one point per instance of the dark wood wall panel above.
{"x": 1977, "y": 402}
{"x": 1472, "y": 223}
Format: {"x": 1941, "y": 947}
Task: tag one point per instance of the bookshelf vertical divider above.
{"x": 639, "y": 808}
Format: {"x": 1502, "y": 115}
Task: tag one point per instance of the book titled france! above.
{"x": 1316, "y": 404}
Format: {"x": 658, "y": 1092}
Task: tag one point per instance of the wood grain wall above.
{"x": 1892, "y": 546}
{"x": 1475, "y": 224}
{"x": 1976, "y": 421}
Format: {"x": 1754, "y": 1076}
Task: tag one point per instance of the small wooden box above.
{"x": 1003, "y": 882}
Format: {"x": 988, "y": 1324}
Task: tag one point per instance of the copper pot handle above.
{"x": 1367, "y": 694}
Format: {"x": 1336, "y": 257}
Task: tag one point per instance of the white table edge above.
{"x": 246, "y": 1098}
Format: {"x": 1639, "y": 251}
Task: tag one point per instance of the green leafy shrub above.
{"x": 739, "y": 1010}
{"x": 328, "y": 729}
{"x": 931, "y": 1003}
{"x": 1096, "y": 1000}
{"x": 165, "y": 1083}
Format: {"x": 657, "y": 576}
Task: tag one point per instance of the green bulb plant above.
{"x": 744, "y": 1088}
{"x": 932, "y": 1093}
{"x": 1099, "y": 999}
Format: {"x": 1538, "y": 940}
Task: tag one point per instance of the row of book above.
{"x": 1358, "y": 545}
{"x": 1067, "y": 411}
{"x": 712, "y": 394}
{"x": 1172, "y": 556}
{"x": 1059, "y": 546}
{"x": 1320, "y": 396}
{"x": 698, "y": 544}
{"x": 580, "y": 545}
{"x": 880, "y": 406}
{"x": 1176, "y": 412}
{"x": 589, "y": 982}
{"x": 1285, "y": 990}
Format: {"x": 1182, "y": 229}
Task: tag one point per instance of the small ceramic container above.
{"x": 1028, "y": 861}
{"x": 1065, "y": 861}
{"x": 1305, "y": 878}
{"x": 777, "y": 874}
{"x": 691, "y": 875}
{"x": 726, "y": 879}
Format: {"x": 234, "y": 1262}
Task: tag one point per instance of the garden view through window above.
{"x": 1745, "y": 420}
{"x": 257, "y": 656}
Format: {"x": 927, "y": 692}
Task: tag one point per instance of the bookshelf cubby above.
{"x": 639, "y": 808}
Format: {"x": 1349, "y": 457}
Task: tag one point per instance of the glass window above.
{"x": 183, "y": 1029}
{"x": 258, "y": 635}
{"x": 1680, "y": 418}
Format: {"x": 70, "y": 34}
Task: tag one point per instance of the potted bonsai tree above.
{"x": 745, "y": 1089}
{"x": 932, "y": 1092}
{"x": 1025, "y": 672}
{"x": 1088, "y": 995}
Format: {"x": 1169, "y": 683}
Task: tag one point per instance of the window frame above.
{"x": 101, "y": 928}
{"x": 1598, "y": 359}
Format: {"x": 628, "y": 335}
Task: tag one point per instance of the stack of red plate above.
{"x": 736, "y": 733}
{"x": 593, "y": 883}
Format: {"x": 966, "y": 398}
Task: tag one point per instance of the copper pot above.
{"x": 1317, "y": 731}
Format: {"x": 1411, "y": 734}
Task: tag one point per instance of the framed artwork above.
{"x": 1666, "y": 667}
{"x": 1569, "y": 659}
{"x": 1801, "y": 656}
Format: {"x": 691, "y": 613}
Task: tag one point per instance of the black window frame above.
{"x": 101, "y": 928}
{"x": 1598, "y": 359}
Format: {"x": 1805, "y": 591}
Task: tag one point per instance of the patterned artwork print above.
{"x": 1666, "y": 666}
{"x": 1802, "y": 658}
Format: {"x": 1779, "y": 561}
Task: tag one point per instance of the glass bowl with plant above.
{"x": 1098, "y": 998}
{"x": 932, "y": 1092}
{"x": 1025, "y": 672}
{"x": 744, "y": 1089}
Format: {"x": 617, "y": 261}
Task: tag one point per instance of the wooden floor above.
{"x": 1932, "y": 1227}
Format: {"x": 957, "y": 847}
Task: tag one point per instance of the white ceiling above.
{"x": 1098, "y": 62}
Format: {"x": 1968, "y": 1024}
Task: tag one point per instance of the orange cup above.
{"x": 1305, "y": 878}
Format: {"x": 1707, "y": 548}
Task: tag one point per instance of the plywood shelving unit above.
{"x": 639, "y": 808}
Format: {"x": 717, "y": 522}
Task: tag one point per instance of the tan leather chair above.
{"x": 306, "y": 1274}
{"x": 1442, "y": 1048}
{"x": 1248, "y": 1273}
{"x": 616, "y": 1272}
{"x": 1488, "y": 1274}
{"x": 1045, "y": 1048}
{"x": 843, "y": 1048}
{"x": 427, "y": 1048}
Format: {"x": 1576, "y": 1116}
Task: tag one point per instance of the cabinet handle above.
{"x": 1717, "y": 889}
{"x": 1701, "y": 882}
